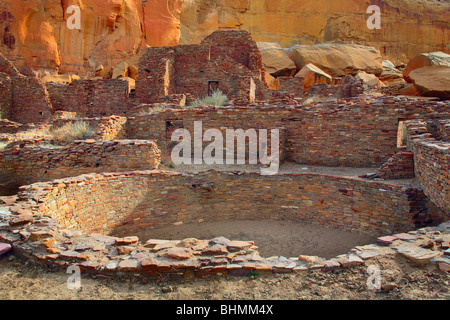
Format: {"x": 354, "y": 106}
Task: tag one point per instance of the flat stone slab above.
{"x": 4, "y": 248}
{"x": 406, "y": 236}
{"x": 387, "y": 240}
{"x": 178, "y": 253}
{"x": 418, "y": 255}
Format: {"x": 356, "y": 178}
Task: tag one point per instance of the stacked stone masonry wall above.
{"x": 351, "y": 133}
{"x": 33, "y": 163}
{"x": 91, "y": 97}
{"x": 431, "y": 162}
{"x": 28, "y": 97}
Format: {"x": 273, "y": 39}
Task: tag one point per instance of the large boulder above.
{"x": 339, "y": 59}
{"x": 121, "y": 70}
{"x": 433, "y": 81}
{"x": 313, "y": 75}
{"x": 426, "y": 60}
{"x": 369, "y": 79}
{"x": 275, "y": 60}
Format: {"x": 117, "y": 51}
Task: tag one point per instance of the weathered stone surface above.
{"x": 4, "y": 248}
{"x": 370, "y": 80}
{"x": 418, "y": 255}
{"x": 149, "y": 264}
{"x": 126, "y": 240}
{"x": 216, "y": 249}
{"x": 40, "y": 235}
{"x": 432, "y": 81}
{"x": 331, "y": 265}
{"x": 275, "y": 60}
{"x": 311, "y": 259}
{"x": 239, "y": 245}
{"x": 350, "y": 261}
{"x": 426, "y": 60}
{"x": 128, "y": 265}
{"x": 121, "y": 70}
{"x": 20, "y": 220}
{"x": 405, "y": 236}
{"x": 188, "y": 243}
{"x": 387, "y": 240}
{"x": 125, "y": 250}
{"x": 163, "y": 245}
{"x": 313, "y": 75}
{"x": 113, "y": 31}
{"x": 178, "y": 253}
{"x": 338, "y": 59}
{"x": 409, "y": 90}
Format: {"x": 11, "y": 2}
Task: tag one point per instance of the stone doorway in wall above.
{"x": 401, "y": 134}
{"x": 213, "y": 86}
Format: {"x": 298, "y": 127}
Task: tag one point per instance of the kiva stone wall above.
{"x": 432, "y": 163}
{"x": 138, "y": 201}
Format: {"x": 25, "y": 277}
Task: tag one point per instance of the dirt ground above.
{"x": 273, "y": 237}
{"x": 400, "y": 280}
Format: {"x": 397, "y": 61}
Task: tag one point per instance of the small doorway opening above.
{"x": 213, "y": 86}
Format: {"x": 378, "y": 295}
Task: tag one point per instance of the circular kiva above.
{"x": 68, "y": 222}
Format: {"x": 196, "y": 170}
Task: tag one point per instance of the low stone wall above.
{"x": 32, "y": 163}
{"x": 399, "y": 166}
{"x": 12, "y": 127}
{"x": 432, "y": 163}
{"x": 444, "y": 130}
{"x": 39, "y": 223}
{"x": 106, "y": 128}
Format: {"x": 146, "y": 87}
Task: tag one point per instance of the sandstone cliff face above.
{"x": 408, "y": 27}
{"x": 33, "y": 33}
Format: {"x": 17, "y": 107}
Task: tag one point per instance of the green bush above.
{"x": 217, "y": 98}
{"x": 73, "y": 131}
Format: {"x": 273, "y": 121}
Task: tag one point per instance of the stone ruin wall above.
{"x": 27, "y": 96}
{"x": 188, "y": 70}
{"x": 105, "y": 128}
{"x": 93, "y": 98}
{"x": 431, "y": 161}
{"x": 137, "y": 201}
{"x": 33, "y": 163}
{"x": 351, "y": 134}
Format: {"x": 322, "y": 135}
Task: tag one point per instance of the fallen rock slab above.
{"x": 313, "y": 75}
{"x": 432, "y": 81}
{"x": 418, "y": 255}
{"x": 275, "y": 60}
{"x": 4, "y": 248}
{"x": 339, "y": 59}
{"x": 425, "y": 60}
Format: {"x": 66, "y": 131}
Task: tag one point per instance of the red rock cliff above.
{"x": 34, "y": 33}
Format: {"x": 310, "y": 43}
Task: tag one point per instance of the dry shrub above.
{"x": 73, "y": 131}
